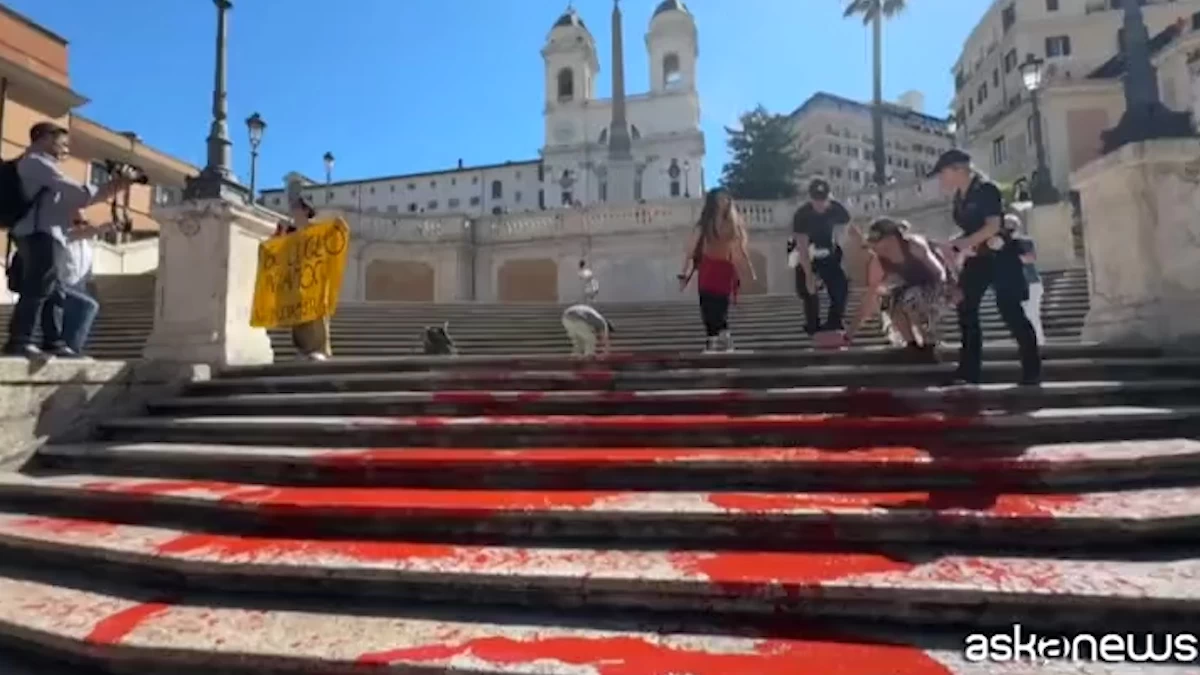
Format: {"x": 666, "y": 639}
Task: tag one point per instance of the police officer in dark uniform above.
{"x": 994, "y": 261}
{"x": 814, "y": 228}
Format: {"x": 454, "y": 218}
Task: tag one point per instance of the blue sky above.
{"x": 398, "y": 86}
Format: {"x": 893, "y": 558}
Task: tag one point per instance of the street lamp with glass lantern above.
{"x": 1041, "y": 188}
{"x": 952, "y": 129}
{"x": 256, "y": 125}
{"x": 328, "y": 159}
{"x": 687, "y": 179}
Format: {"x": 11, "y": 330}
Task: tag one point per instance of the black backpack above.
{"x": 13, "y": 207}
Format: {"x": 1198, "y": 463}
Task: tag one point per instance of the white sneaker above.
{"x": 318, "y": 356}
{"x": 725, "y": 341}
{"x": 710, "y": 345}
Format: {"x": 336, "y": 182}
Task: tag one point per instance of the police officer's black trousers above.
{"x": 1003, "y": 273}
{"x": 829, "y": 269}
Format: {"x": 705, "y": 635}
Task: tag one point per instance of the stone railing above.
{"x": 404, "y": 229}
{"x": 602, "y": 220}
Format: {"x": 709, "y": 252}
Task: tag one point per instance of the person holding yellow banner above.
{"x": 299, "y": 279}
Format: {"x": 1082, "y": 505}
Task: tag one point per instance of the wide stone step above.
{"x": 508, "y": 330}
{"x": 198, "y": 634}
{"x": 835, "y": 400}
{"x": 972, "y": 423}
{"x": 900, "y": 586}
{"x": 646, "y": 361}
{"x": 1111, "y": 522}
{"x": 879, "y": 466}
{"x": 707, "y": 377}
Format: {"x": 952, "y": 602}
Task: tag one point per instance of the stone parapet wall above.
{"x": 635, "y": 252}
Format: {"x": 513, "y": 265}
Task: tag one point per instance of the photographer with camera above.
{"x": 39, "y": 204}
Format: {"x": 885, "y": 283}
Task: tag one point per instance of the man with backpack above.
{"x": 38, "y": 205}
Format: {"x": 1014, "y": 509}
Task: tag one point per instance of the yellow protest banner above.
{"x": 300, "y": 275}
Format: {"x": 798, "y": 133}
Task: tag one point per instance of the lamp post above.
{"x": 952, "y": 128}
{"x": 687, "y": 179}
{"x": 328, "y": 159}
{"x": 1042, "y": 189}
{"x": 256, "y": 126}
{"x": 217, "y": 180}
{"x": 1145, "y": 116}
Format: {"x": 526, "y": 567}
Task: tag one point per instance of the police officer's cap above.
{"x": 948, "y": 159}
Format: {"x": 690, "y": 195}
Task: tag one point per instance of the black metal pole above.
{"x": 1042, "y": 191}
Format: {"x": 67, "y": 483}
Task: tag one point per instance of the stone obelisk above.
{"x": 621, "y": 169}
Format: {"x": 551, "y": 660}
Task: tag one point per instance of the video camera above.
{"x": 115, "y": 168}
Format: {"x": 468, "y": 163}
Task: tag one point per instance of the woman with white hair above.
{"x": 1028, "y": 253}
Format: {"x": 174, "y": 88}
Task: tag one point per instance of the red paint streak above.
{"x": 739, "y": 572}
{"x": 638, "y": 656}
{"x": 256, "y": 548}
{"x": 403, "y": 457}
{"x": 590, "y": 375}
{"x": 66, "y": 526}
{"x": 231, "y": 491}
{"x": 113, "y": 629}
{"x": 369, "y": 500}
{"x": 985, "y": 501}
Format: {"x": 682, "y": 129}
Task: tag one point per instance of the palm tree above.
{"x": 874, "y": 12}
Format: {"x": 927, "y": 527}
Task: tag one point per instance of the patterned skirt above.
{"x": 921, "y": 306}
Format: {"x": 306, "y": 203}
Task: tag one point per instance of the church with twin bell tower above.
{"x": 631, "y": 147}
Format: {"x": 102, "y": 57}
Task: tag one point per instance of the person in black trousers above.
{"x": 992, "y": 261}
{"x": 820, "y": 255}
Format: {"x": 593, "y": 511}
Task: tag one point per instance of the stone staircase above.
{"x": 390, "y": 329}
{"x": 763, "y": 513}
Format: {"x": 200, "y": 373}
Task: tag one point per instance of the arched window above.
{"x": 566, "y": 84}
{"x": 672, "y": 76}
{"x": 497, "y": 190}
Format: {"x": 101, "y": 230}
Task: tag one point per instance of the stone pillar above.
{"x": 1143, "y": 243}
{"x": 208, "y": 259}
{"x": 1049, "y": 226}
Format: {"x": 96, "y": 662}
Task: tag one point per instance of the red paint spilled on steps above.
{"x": 389, "y": 499}
{"x": 739, "y": 571}
{"x": 66, "y": 526}
{"x": 113, "y": 629}
{"x": 255, "y": 548}
{"x": 401, "y": 457}
{"x": 638, "y": 656}
{"x": 987, "y": 501}
{"x": 233, "y": 491}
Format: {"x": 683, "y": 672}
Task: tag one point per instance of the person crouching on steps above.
{"x": 311, "y": 338}
{"x": 587, "y": 329}
{"x": 907, "y": 281}
{"x": 718, "y": 255}
{"x": 815, "y": 245}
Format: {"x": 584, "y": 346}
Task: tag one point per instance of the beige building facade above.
{"x": 1081, "y": 95}
{"x": 834, "y": 137}
{"x": 35, "y": 86}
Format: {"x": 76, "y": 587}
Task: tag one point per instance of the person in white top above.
{"x": 591, "y": 287}
{"x": 75, "y": 271}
